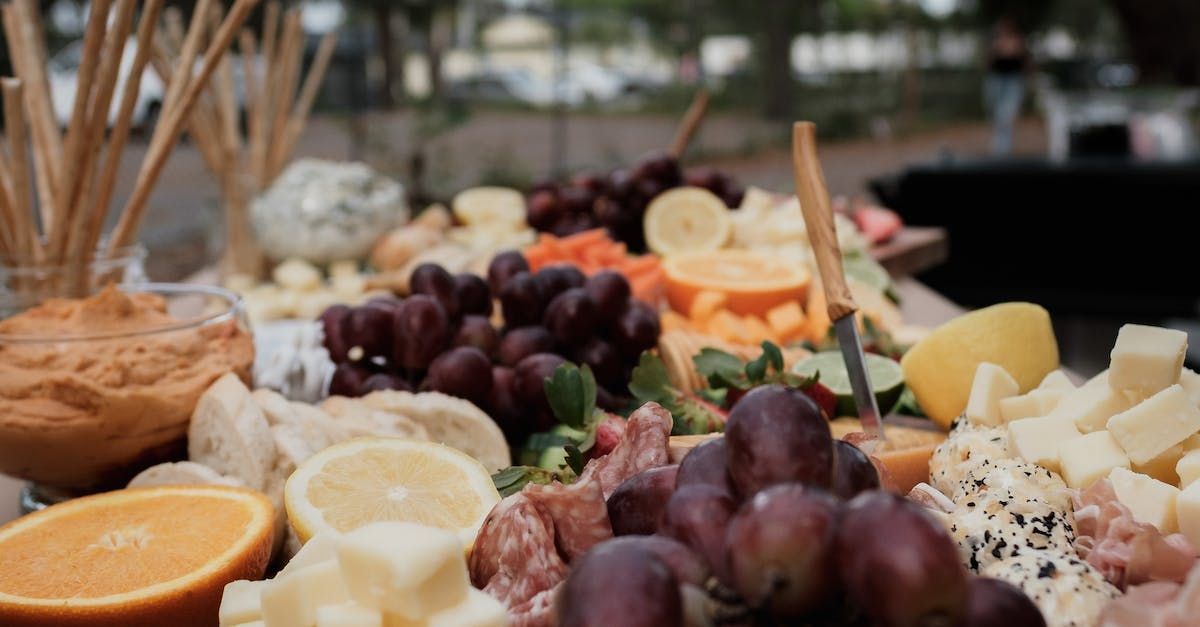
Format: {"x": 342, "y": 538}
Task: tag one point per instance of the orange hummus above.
{"x": 82, "y": 414}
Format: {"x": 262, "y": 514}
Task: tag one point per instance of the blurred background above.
{"x": 1053, "y": 139}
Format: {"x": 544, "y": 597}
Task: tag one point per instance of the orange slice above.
{"x": 753, "y": 283}
{"x": 143, "y": 556}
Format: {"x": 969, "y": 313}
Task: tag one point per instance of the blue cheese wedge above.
{"x": 967, "y": 447}
{"x": 1068, "y": 591}
{"x": 989, "y": 530}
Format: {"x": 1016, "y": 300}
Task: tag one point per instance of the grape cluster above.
{"x": 441, "y": 338}
{"x": 618, "y": 200}
{"x": 776, "y": 523}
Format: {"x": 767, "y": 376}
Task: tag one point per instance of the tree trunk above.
{"x": 775, "y": 58}
{"x": 383, "y": 22}
{"x": 1163, "y": 37}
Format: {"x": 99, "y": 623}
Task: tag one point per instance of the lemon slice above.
{"x": 687, "y": 219}
{"x": 490, "y": 207}
{"x": 368, "y": 480}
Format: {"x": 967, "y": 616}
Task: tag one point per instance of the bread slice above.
{"x": 291, "y": 449}
{"x": 274, "y": 406}
{"x": 230, "y": 434}
{"x": 451, "y": 421}
{"x": 361, "y": 419}
{"x": 181, "y": 473}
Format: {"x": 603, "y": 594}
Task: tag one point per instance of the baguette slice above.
{"x": 451, "y": 421}
{"x": 363, "y": 420}
{"x": 181, "y": 473}
{"x": 230, "y": 434}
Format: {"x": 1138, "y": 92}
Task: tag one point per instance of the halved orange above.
{"x": 143, "y": 556}
{"x": 753, "y": 283}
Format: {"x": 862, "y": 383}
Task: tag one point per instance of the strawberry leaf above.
{"x": 571, "y": 391}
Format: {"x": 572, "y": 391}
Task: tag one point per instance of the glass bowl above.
{"x": 83, "y": 410}
{"x": 23, "y": 286}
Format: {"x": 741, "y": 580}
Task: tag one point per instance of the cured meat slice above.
{"x": 579, "y": 513}
{"x": 514, "y": 557}
{"x": 1156, "y": 604}
{"x": 643, "y": 446}
{"x": 536, "y": 612}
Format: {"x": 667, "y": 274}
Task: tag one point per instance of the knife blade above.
{"x": 818, "y": 217}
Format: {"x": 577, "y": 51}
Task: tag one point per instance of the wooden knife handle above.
{"x": 818, "y": 216}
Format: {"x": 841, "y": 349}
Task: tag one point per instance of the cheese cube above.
{"x": 1093, "y": 404}
{"x": 1056, "y": 380}
{"x": 241, "y": 602}
{"x": 1150, "y": 500}
{"x": 292, "y": 600}
{"x": 348, "y": 614}
{"x": 296, "y": 274}
{"x": 1191, "y": 384}
{"x": 1037, "y": 440}
{"x": 1187, "y": 513}
{"x": 479, "y": 609}
{"x": 1162, "y": 467}
{"x": 1035, "y": 403}
{"x": 319, "y": 548}
{"x": 1156, "y": 424}
{"x": 1188, "y": 468}
{"x": 1146, "y": 359}
{"x": 253, "y": 623}
{"x": 992, "y": 383}
{"x": 403, "y": 568}
{"x": 1089, "y": 458}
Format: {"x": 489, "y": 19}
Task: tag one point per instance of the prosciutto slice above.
{"x": 523, "y": 551}
{"x": 1126, "y": 551}
{"x": 1156, "y": 604}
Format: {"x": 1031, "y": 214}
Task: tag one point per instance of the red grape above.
{"x": 477, "y": 331}
{"x": 556, "y": 279}
{"x": 504, "y": 406}
{"x": 522, "y": 301}
{"x": 333, "y": 322}
{"x": 433, "y": 280}
{"x": 781, "y": 548}
{"x": 659, "y": 166}
{"x": 591, "y": 181}
{"x": 383, "y": 381}
{"x": 708, "y": 178}
{"x": 531, "y": 378}
{"x": 347, "y": 379}
{"x": 997, "y": 603}
{"x": 542, "y": 209}
{"x": 697, "y": 516}
{"x": 636, "y": 506}
{"x": 571, "y": 317}
{"x": 576, "y": 199}
{"x": 636, "y": 329}
{"x": 687, "y": 567}
{"x": 464, "y": 372}
{"x": 369, "y": 328}
{"x": 707, "y": 464}
{"x": 503, "y": 267}
{"x": 474, "y": 297}
{"x": 421, "y": 331}
{"x": 776, "y": 435}
{"x": 522, "y": 342}
{"x": 853, "y": 471}
{"x": 734, "y": 194}
{"x": 620, "y": 183}
{"x": 610, "y": 291}
{"x": 616, "y": 583}
{"x": 898, "y": 564}
{"x": 603, "y": 359}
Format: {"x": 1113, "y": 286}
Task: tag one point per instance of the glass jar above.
{"x": 23, "y": 286}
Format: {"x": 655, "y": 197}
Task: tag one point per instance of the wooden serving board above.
{"x": 913, "y": 250}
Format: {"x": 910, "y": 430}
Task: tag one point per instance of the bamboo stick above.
{"x": 37, "y": 85}
{"x": 226, "y": 100}
{"x": 25, "y": 244}
{"x": 131, "y": 216}
{"x": 308, "y": 95}
{"x": 124, "y": 124}
{"x": 690, "y": 123}
{"x": 46, "y": 150}
{"x": 250, "y": 89}
{"x": 182, "y": 76}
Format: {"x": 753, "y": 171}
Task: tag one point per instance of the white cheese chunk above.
{"x": 1089, "y": 458}
{"x": 241, "y": 602}
{"x": 1150, "y": 500}
{"x": 319, "y": 548}
{"x": 1146, "y": 359}
{"x": 402, "y": 568}
{"x": 1191, "y": 384}
{"x": 992, "y": 383}
{"x": 1056, "y": 380}
{"x": 1037, "y": 440}
{"x": 292, "y": 600}
{"x": 1035, "y": 403}
{"x": 1187, "y": 513}
{"x": 1162, "y": 467}
{"x": 348, "y": 614}
{"x": 1093, "y": 404}
{"x": 1156, "y": 424}
{"x": 478, "y": 609}
{"x": 1188, "y": 469}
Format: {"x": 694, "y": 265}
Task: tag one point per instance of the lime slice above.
{"x": 865, "y": 269}
{"x": 887, "y": 379}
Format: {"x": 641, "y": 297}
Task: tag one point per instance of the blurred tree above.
{"x": 1163, "y": 38}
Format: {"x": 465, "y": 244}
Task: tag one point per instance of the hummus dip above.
{"x": 84, "y": 414}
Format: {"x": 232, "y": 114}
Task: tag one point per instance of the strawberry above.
{"x": 608, "y": 435}
{"x": 824, "y": 398}
{"x": 877, "y": 223}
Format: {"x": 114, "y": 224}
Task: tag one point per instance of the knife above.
{"x": 818, "y": 217}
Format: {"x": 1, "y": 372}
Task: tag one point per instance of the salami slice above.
{"x": 514, "y": 557}
{"x": 643, "y": 446}
{"x": 579, "y": 513}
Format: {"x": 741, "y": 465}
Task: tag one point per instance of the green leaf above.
{"x": 575, "y": 459}
{"x": 543, "y": 440}
{"x": 771, "y": 357}
{"x": 716, "y": 396}
{"x": 510, "y": 480}
{"x": 571, "y": 392}
{"x": 650, "y": 383}
{"x": 720, "y": 368}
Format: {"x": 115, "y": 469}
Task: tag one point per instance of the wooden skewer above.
{"x": 182, "y": 76}
{"x": 226, "y": 103}
{"x": 124, "y": 124}
{"x": 25, "y": 243}
{"x": 47, "y": 149}
{"x": 131, "y": 216}
{"x": 690, "y": 124}
{"x": 308, "y": 94}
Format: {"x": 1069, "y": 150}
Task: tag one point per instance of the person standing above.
{"x": 1004, "y": 87}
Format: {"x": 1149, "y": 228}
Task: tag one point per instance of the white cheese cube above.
{"x": 297, "y": 274}
{"x": 1089, "y": 458}
{"x": 292, "y": 600}
{"x": 1150, "y": 500}
{"x": 1093, "y": 404}
{"x": 348, "y": 614}
{"x": 402, "y": 568}
{"x": 1156, "y": 424}
{"x": 477, "y": 610}
{"x": 1035, "y": 403}
{"x": 1191, "y": 384}
{"x": 319, "y": 548}
{"x": 343, "y": 268}
{"x": 1056, "y": 380}
{"x": 1146, "y": 359}
{"x": 1162, "y": 467}
{"x": 1037, "y": 440}
{"x": 1188, "y": 469}
{"x": 241, "y": 602}
{"x": 1187, "y": 513}
{"x": 992, "y": 383}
